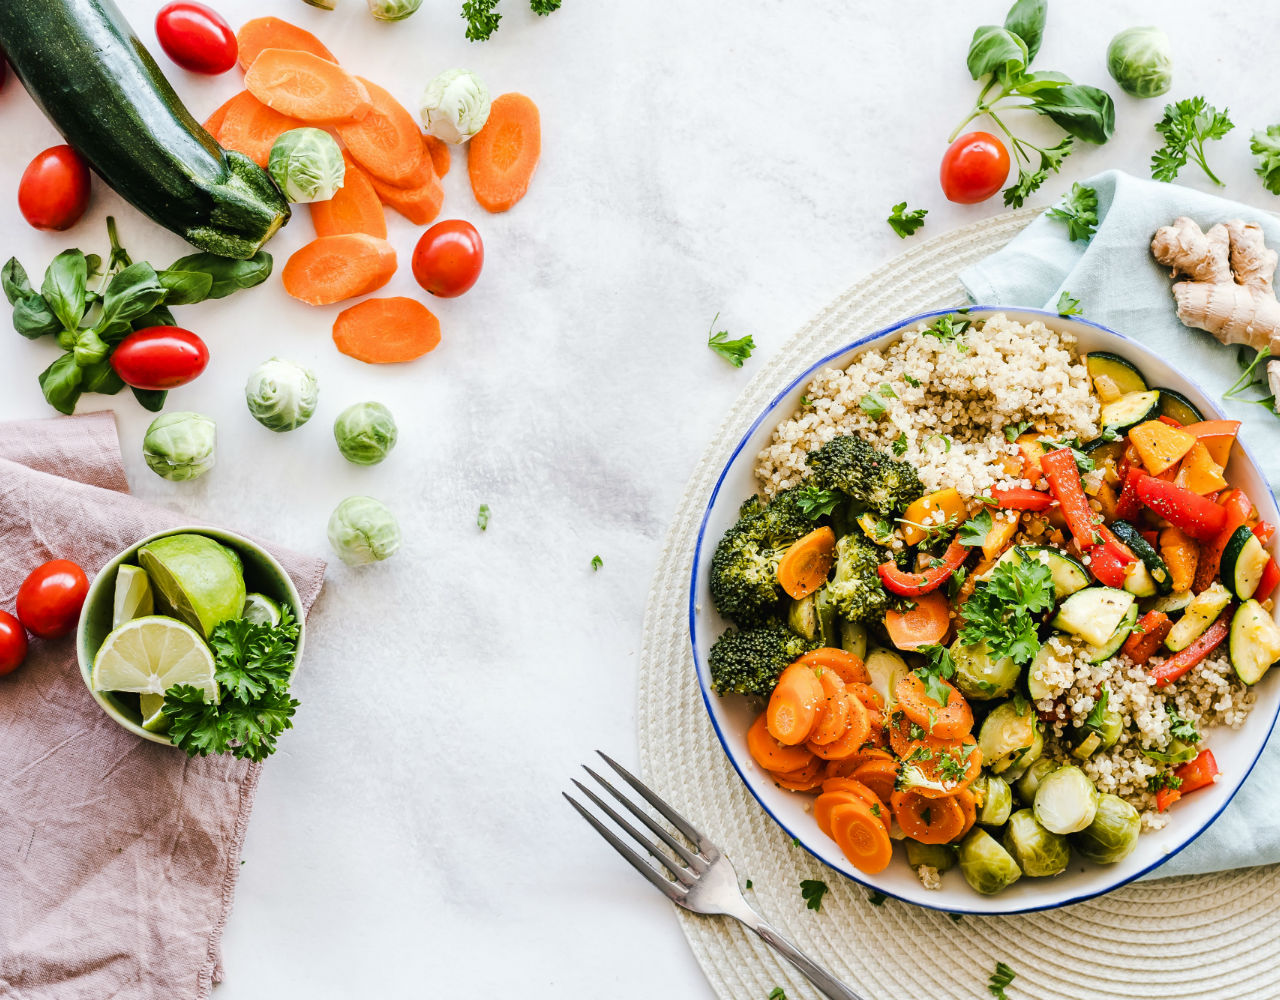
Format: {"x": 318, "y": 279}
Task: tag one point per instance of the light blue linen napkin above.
{"x": 1121, "y": 286}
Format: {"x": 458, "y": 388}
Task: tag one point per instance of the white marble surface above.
{"x": 720, "y": 155}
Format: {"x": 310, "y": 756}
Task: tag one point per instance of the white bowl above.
{"x": 1236, "y": 750}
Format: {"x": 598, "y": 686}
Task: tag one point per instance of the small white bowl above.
{"x": 1236, "y": 750}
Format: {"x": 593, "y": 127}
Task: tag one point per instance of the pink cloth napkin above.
{"x": 118, "y": 857}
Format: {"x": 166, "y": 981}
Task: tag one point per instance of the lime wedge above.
{"x": 153, "y": 719}
{"x": 261, "y": 610}
{"x": 150, "y": 655}
{"x": 195, "y": 579}
{"x": 133, "y": 598}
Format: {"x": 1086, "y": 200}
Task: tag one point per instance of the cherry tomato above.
{"x": 196, "y": 37}
{"x": 49, "y": 599}
{"x": 160, "y": 357}
{"x": 974, "y": 168}
{"x": 13, "y": 643}
{"x": 448, "y": 258}
{"x": 54, "y": 190}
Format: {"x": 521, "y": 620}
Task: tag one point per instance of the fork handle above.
{"x": 816, "y": 974}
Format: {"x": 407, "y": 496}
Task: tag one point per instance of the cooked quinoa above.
{"x": 951, "y": 424}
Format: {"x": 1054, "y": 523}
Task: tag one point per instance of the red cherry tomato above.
{"x": 49, "y": 599}
{"x": 13, "y": 643}
{"x": 974, "y": 168}
{"x": 448, "y": 258}
{"x": 54, "y": 190}
{"x": 160, "y": 357}
{"x": 196, "y": 37}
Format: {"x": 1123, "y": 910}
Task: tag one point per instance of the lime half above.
{"x": 261, "y": 610}
{"x": 153, "y": 719}
{"x": 133, "y": 597}
{"x": 195, "y": 578}
{"x": 150, "y": 655}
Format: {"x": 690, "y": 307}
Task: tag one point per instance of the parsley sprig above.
{"x": 940, "y": 667}
{"x": 812, "y": 890}
{"x": 733, "y": 351}
{"x": 1265, "y": 145}
{"x": 904, "y": 222}
{"x": 1001, "y": 978}
{"x": 1079, "y": 210}
{"x": 482, "y": 16}
{"x": 974, "y": 531}
{"x": 1002, "y": 611}
{"x": 1068, "y": 305}
{"x": 1253, "y": 376}
{"x": 1186, "y": 127}
{"x": 815, "y": 502}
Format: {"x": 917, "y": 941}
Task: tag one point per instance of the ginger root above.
{"x": 1229, "y": 292}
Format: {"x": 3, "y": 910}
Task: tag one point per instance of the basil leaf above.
{"x": 995, "y": 49}
{"x": 1047, "y": 79}
{"x": 151, "y": 399}
{"x": 101, "y": 377}
{"x": 60, "y": 383}
{"x": 1026, "y": 20}
{"x": 184, "y": 288}
{"x": 133, "y": 292}
{"x": 63, "y": 287}
{"x": 159, "y": 316}
{"x": 90, "y": 349}
{"x": 31, "y": 314}
{"x": 93, "y": 264}
{"x": 226, "y": 275}
{"x": 1086, "y": 112}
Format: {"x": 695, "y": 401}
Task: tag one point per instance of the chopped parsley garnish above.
{"x": 915, "y": 731}
{"x": 1163, "y": 779}
{"x": 956, "y": 582}
{"x": 806, "y": 401}
{"x": 974, "y": 531}
{"x": 482, "y": 517}
{"x": 777, "y": 993}
{"x": 1079, "y": 210}
{"x": 1001, "y": 978}
{"x": 749, "y": 885}
{"x": 1014, "y": 431}
{"x": 1096, "y": 714}
{"x": 1185, "y": 128}
{"x": 482, "y": 19}
{"x": 815, "y": 503}
{"x": 899, "y": 446}
{"x": 733, "y": 351}
{"x": 911, "y": 380}
{"x": 948, "y": 330}
{"x": 1002, "y": 610}
{"x": 1181, "y": 728}
{"x": 596, "y": 563}
{"x": 939, "y": 668}
{"x": 904, "y": 222}
{"x": 795, "y": 842}
{"x": 956, "y": 917}
{"x": 1068, "y": 306}
{"x": 1083, "y": 462}
{"x": 932, "y": 532}
{"x": 872, "y": 406}
{"x": 813, "y": 890}
{"x": 876, "y": 898}
{"x": 1253, "y": 376}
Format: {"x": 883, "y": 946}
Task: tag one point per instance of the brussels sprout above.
{"x": 1066, "y": 800}
{"x": 180, "y": 446}
{"x": 323, "y": 4}
{"x": 939, "y": 856}
{"x": 853, "y": 639}
{"x": 814, "y": 617}
{"x": 986, "y": 866}
{"x": 1112, "y": 834}
{"x": 1029, "y": 781}
{"x": 981, "y": 677}
{"x": 362, "y": 530}
{"x": 281, "y": 395}
{"x": 996, "y": 797}
{"x": 1009, "y": 735}
{"x": 307, "y": 165}
{"x": 1038, "y": 851}
{"x": 1086, "y": 740}
{"x": 455, "y": 106}
{"x": 365, "y": 432}
{"x": 886, "y": 668}
{"x": 393, "y": 10}
{"x": 1139, "y": 59}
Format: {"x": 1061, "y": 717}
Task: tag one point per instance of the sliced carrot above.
{"x": 852, "y": 740}
{"x": 845, "y": 768}
{"x": 805, "y": 779}
{"x": 250, "y": 127}
{"x": 502, "y": 156}
{"x": 944, "y": 771}
{"x": 273, "y": 33}
{"x": 949, "y": 722}
{"x": 805, "y": 565}
{"x": 826, "y": 802}
{"x": 924, "y": 624}
{"x": 833, "y": 716}
{"x": 305, "y": 86}
{"x": 854, "y": 787}
{"x": 930, "y": 821}
{"x": 214, "y": 122}
{"x": 772, "y": 755}
{"x": 332, "y": 268}
{"x": 419, "y": 204}
{"x": 438, "y": 150}
{"x": 861, "y": 837}
{"x": 850, "y": 668}
{"x": 356, "y": 207}
{"x": 386, "y": 331}
{"x": 881, "y": 776}
{"x": 969, "y": 808}
{"x": 794, "y": 705}
{"x": 871, "y": 701}
{"x": 386, "y": 141}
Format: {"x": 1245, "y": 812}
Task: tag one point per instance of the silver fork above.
{"x": 704, "y": 879}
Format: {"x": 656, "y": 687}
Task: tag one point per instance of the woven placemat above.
{"x": 1207, "y": 936}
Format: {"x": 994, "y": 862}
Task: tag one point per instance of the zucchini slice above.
{"x": 1105, "y": 650}
{"x": 1124, "y": 375}
{"x": 1137, "y": 580}
{"x": 1156, "y": 567}
{"x": 1103, "y": 450}
{"x": 1243, "y": 562}
{"x": 1171, "y": 604}
{"x": 1130, "y": 410}
{"x": 1254, "y": 642}
{"x": 1094, "y": 614}
{"x": 1068, "y": 575}
{"x": 1174, "y": 404}
{"x": 1200, "y": 614}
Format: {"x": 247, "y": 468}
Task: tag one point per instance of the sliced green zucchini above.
{"x": 853, "y": 639}
{"x": 1130, "y": 409}
{"x": 1105, "y": 450}
{"x": 1174, "y": 404}
{"x": 1171, "y": 604}
{"x": 1068, "y": 575}
{"x": 1200, "y": 613}
{"x": 1137, "y": 580}
{"x": 1175, "y": 752}
{"x": 886, "y": 669}
{"x": 1124, "y": 375}
{"x": 1094, "y": 614}
{"x": 1157, "y": 569}
{"x": 1089, "y": 744}
{"x": 1243, "y": 562}
{"x": 1254, "y": 643}
{"x": 1105, "y": 650}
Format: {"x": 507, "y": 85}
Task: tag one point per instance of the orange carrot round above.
{"x": 770, "y": 754}
{"x": 833, "y": 716}
{"x": 502, "y": 156}
{"x": 845, "y": 768}
{"x": 306, "y": 87}
{"x": 969, "y": 808}
{"x": 248, "y": 126}
{"x": 420, "y": 204}
{"x": 925, "y": 624}
{"x": 386, "y": 331}
{"x": 853, "y": 787}
{"x": 332, "y": 268}
{"x": 438, "y": 150}
{"x": 214, "y": 122}
{"x": 849, "y": 667}
{"x": 805, "y": 565}
{"x": 854, "y": 737}
{"x": 861, "y": 837}
{"x": 386, "y": 141}
{"x": 354, "y": 209}
{"x": 826, "y": 802}
{"x": 879, "y": 775}
{"x": 273, "y": 33}
{"x": 794, "y": 704}
{"x": 949, "y": 722}
{"x": 930, "y": 821}
{"x": 804, "y": 779}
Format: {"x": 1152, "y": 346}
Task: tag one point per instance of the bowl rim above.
{"x": 702, "y": 674}
{"x": 100, "y": 584}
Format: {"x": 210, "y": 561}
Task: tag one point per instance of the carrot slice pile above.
{"x": 354, "y": 209}
{"x": 502, "y": 156}
{"x": 804, "y": 567}
{"x": 928, "y": 820}
{"x": 833, "y": 716}
{"x": 307, "y": 87}
{"x": 850, "y": 668}
{"x": 386, "y": 331}
{"x": 214, "y": 122}
{"x": 925, "y": 623}
{"x": 332, "y": 268}
{"x": 438, "y": 150}
{"x": 769, "y": 753}
{"x": 419, "y": 204}
{"x": 250, "y": 127}
{"x": 273, "y": 33}
{"x": 861, "y": 837}
{"x": 794, "y": 705}
{"x": 951, "y": 721}
{"x": 387, "y": 141}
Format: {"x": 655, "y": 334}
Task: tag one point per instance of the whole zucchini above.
{"x": 82, "y": 64}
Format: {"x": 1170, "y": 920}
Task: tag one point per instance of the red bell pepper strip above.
{"x": 1152, "y": 537}
{"x": 1144, "y": 640}
{"x": 1169, "y": 420}
{"x": 914, "y": 584}
{"x": 1181, "y": 663}
{"x": 1196, "y": 516}
{"x": 1264, "y": 531}
{"x": 1064, "y": 483}
{"x": 1236, "y": 509}
{"x": 1021, "y": 498}
{"x": 1201, "y": 772}
{"x": 1128, "y": 506}
{"x": 1268, "y": 581}
{"x": 1106, "y": 565}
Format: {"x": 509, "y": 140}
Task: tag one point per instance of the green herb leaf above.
{"x": 1068, "y": 306}
{"x": 1000, "y": 979}
{"x": 1002, "y": 611}
{"x": 1181, "y": 728}
{"x": 60, "y": 383}
{"x": 1014, "y": 431}
{"x": 813, "y": 890}
{"x": 875, "y": 897}
{"x": 995, "y": 50}
{"x": 226, "y": 275}
{"x": 911, "y": 380}
{"x": 1253, "y": 376}
{"x": 1163, "y": 779}
{"x": 544, "y": 7}
{"x": 1085, "y": 112}
{"x": 183, "y": 288}
{"x": 131, "y": 293}
{"x": 32, "y": 316}
{"x": 904, "y": 222}
{"x": 899, "y": 446}
{"x": 974, "y": 531}
{"x": 1079, "y": 210}
{"x": 596, "y": 563}
{"x": 150, "y": 399}
{"x": 947, "y": 329}
{"x": 815, "y": 503}
{"x": 482, "y": 19}
{"x": 940, "y": 667}
{"x": 1097, "y": 714}
{"x": 872, "y": 406}
{"x": 777, "y": 993}
{"x": 64, "y": 287}
{"x": 1185, "y": 128}
{"x": 251, "y": 659}
{"x": 90, "y": 348}
{"x": 101, "y": 377}
{"x": 1265, "y": 145}
{"x": 733, "y": 351}
{"x": 482, "y": 517}
{"x": 1026, "y": 20}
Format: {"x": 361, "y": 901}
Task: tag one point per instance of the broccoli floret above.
{"x": 852, "y": 466}
{"x": 750, "y": 661}
{"x": 856, "y": 590}
{"x": 744, "y": 568}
